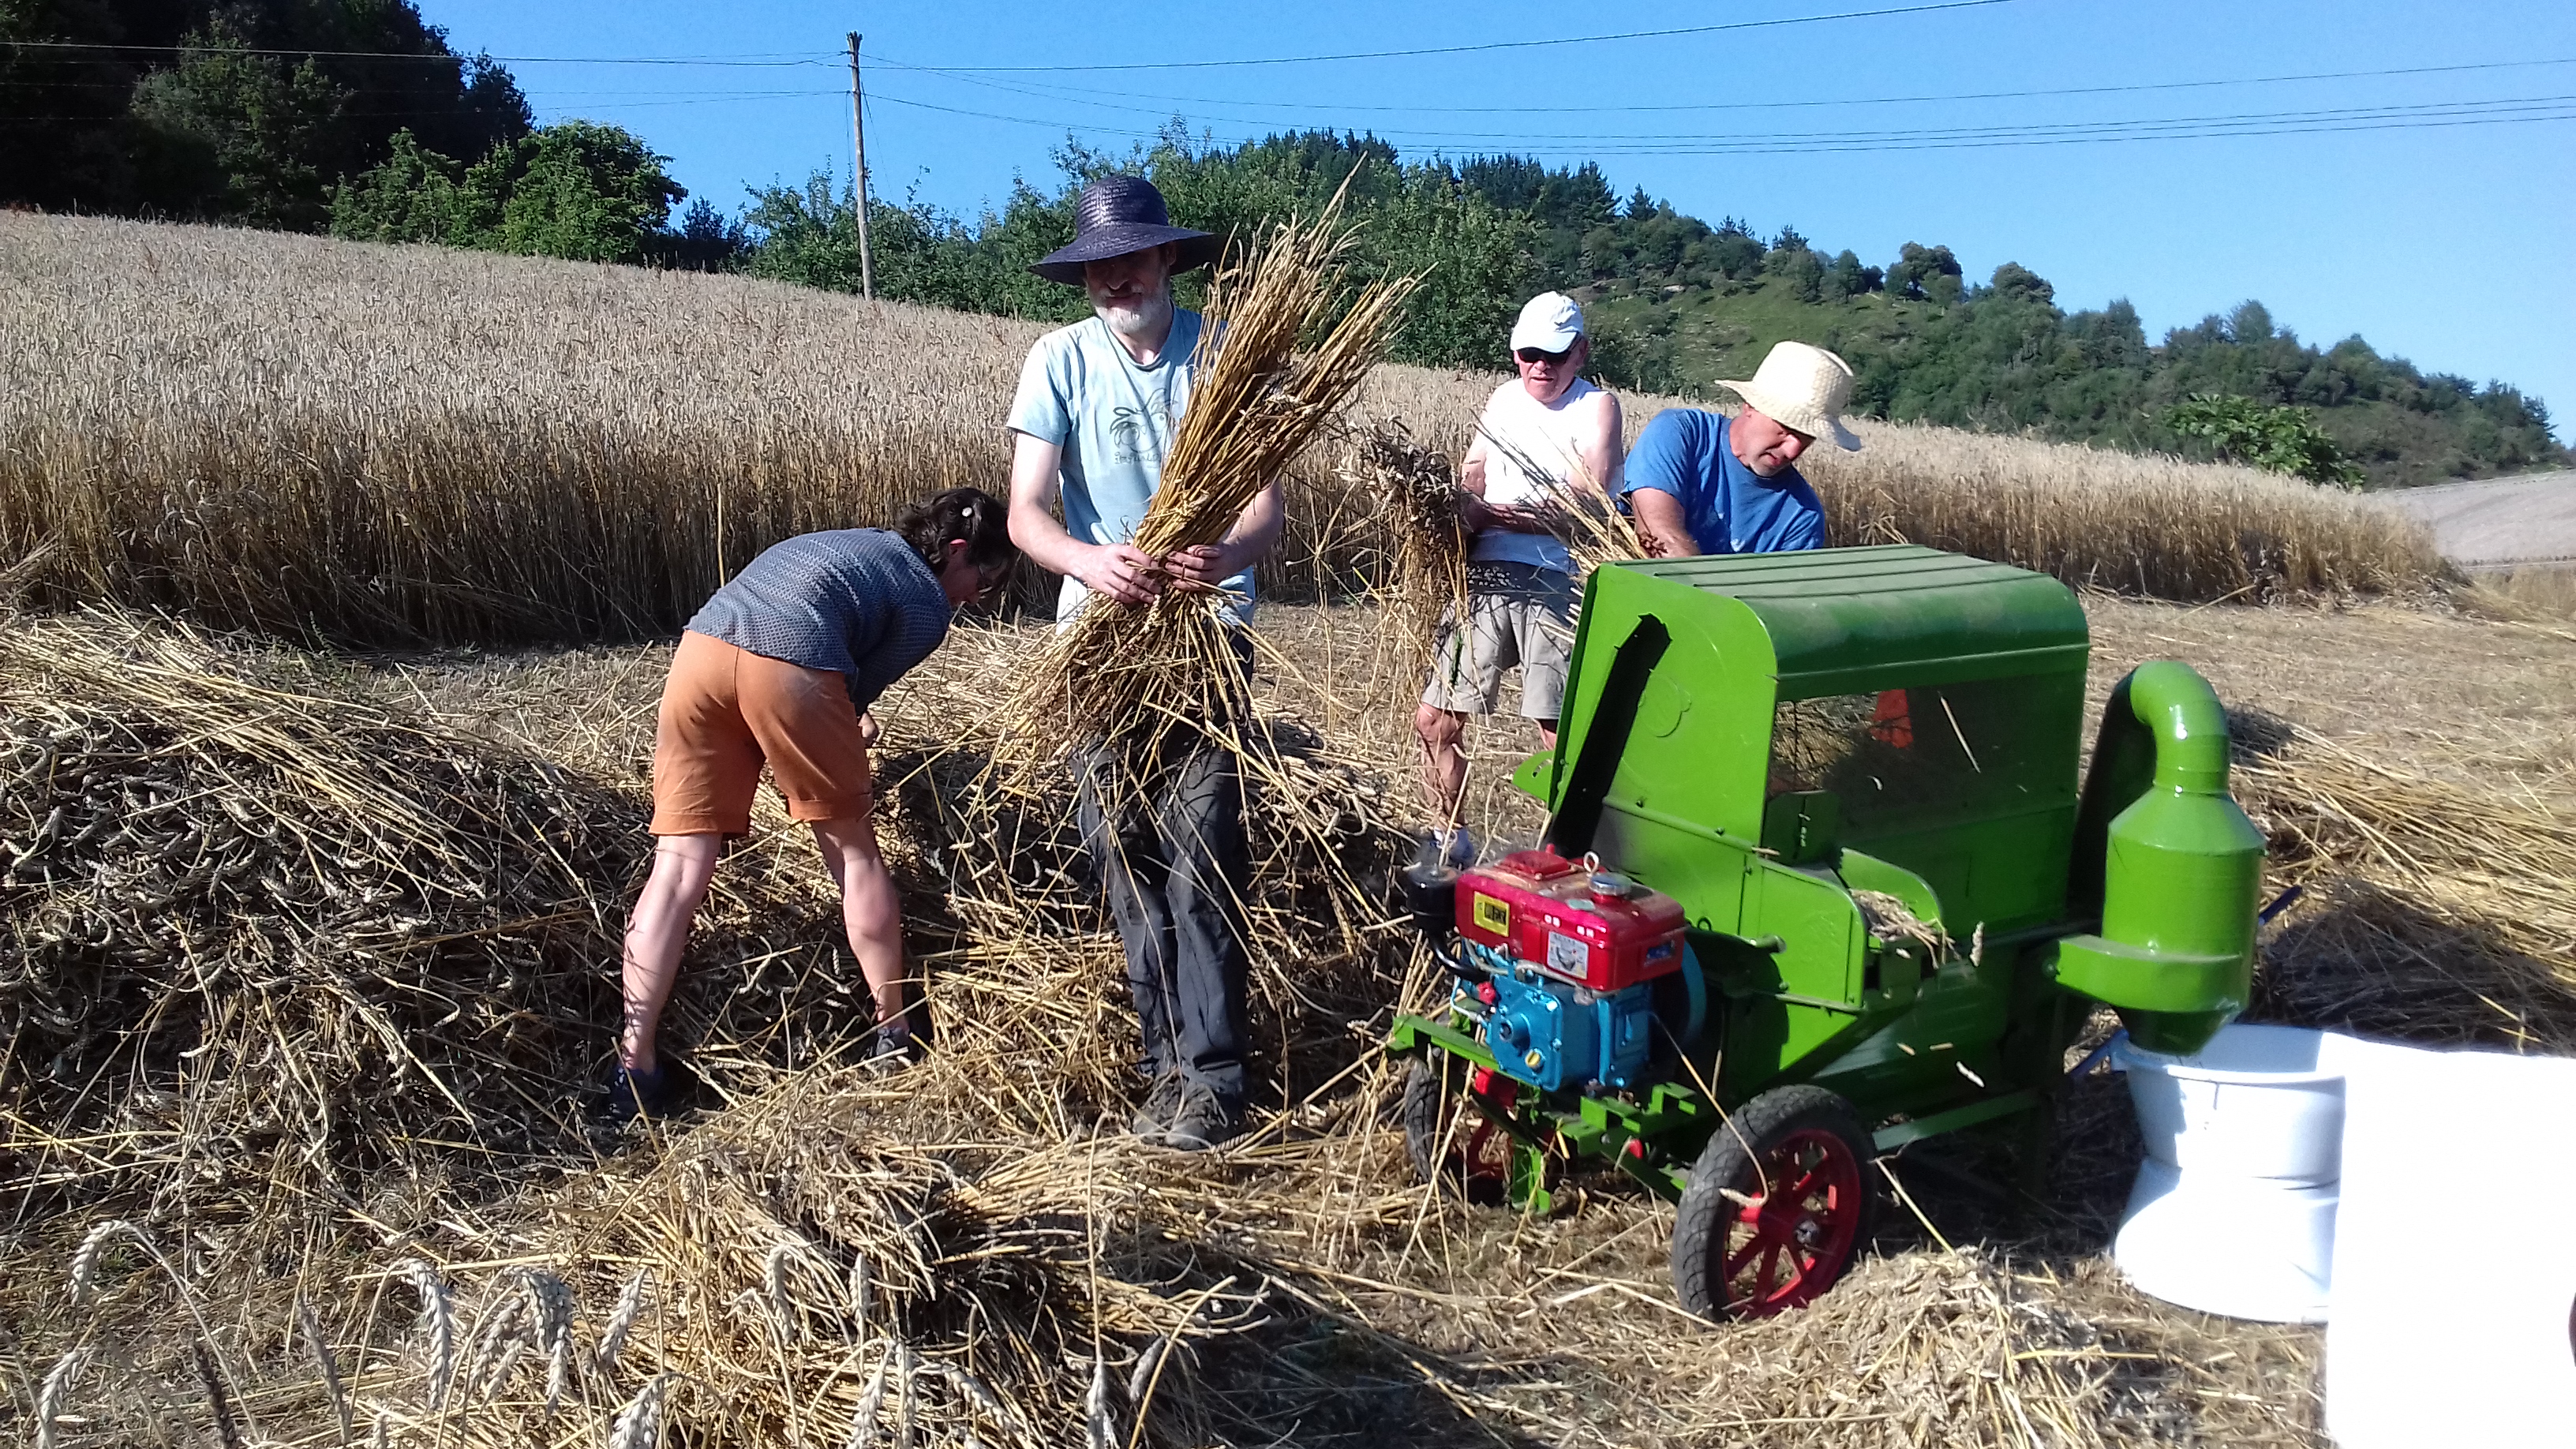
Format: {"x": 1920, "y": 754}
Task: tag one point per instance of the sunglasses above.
{"x": 1532, "y": 354}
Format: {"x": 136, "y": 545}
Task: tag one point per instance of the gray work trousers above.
{"x": 1174, "y": 863}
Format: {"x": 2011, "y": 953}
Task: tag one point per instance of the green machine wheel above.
{"x": 1778, "y": 1206}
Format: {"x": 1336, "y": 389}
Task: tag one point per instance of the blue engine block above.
{"x": 1553, "y": 1035}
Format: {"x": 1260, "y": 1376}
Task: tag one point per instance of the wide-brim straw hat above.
{"x": 1117, "y": 215}
{"x": 1802, "y": 387}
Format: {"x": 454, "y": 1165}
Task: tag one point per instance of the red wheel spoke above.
{"x": 1736, "y": 1262}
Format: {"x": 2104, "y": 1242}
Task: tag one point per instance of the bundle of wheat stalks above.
{"x": 1283, "y": 365}
{"x": 2432, "y": 910}
{"x": 1416, "y": 500}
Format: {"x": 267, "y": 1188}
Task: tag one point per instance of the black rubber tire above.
{"x": 1728, "y": 1164}
{"x": 1435, "y": 1092}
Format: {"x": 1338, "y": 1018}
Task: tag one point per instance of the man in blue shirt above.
{"x": 1699, "y": 482}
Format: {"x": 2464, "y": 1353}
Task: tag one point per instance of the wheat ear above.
{"x": 438, "y": 1315}
{"x": 321, "y": 1346}
{"x": 773, "y": 1279}
{"x": 57, "y": 1390}
{"x": 552, "y": 1300}
{"x": 863, "y": 1423}
{"x": 639, "y": 1424}
{"x": 1100, "y": 1433}
{"x": 93, "y": 1245}
{"x": 910, "y": 1406}
{"x": 621, "y": 1322}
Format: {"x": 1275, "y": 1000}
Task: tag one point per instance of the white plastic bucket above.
{"x": 2253, "y": 1247}
{"x": 2257, "y": 1102}
{"x": 2234, "y": 1208}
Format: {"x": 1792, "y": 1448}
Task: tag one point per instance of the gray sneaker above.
{"x": 1205, "y": 1120}
{"x": 1154, "y": 1118}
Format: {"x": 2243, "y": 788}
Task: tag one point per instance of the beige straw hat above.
{"x": 1802, "y": 387}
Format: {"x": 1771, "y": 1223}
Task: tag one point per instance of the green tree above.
{"x": 232, "y": 110}
{"x": 581, "y": 191}
{"x": 2015, "y": 282}
{"x": 2279, "y": 439}
{"x": 1924, "y": 272}
{"x": 413, "y": 196}
{"x": 244, "y": 136}
{"x": 577, "y": 190}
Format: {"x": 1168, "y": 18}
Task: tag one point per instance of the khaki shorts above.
{"x": 724, "y": 711}
{"x": 1517, "y": 614}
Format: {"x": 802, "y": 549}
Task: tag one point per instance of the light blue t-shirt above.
{"x": 1114, "y": 421}
{"x": 1727, "y": 507}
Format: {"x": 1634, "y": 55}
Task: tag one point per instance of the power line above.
{"x": 1493, "y": 45}
{"x": 1044, "y": 91}
{"x": 2145, "y": 123}
{"x": 771, "y": 58}
{"x": 2531, "y": 109}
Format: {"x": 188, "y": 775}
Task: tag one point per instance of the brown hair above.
{"x": 968, "y": 513}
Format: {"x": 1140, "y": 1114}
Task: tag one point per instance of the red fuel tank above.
{"x": 1595, "y": 929}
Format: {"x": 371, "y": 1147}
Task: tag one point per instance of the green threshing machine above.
{"x": 1818, "y": 881}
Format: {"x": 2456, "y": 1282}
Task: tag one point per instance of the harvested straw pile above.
{"x": 2431, "y": 910}
{"x": 261, "y": 936}
{"x": 1010, "y": 1246}
{"x": 986, "y": 845}
{"x": 278, "y": 965}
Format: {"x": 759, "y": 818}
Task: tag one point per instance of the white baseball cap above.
{"x": 1549, "y": 322}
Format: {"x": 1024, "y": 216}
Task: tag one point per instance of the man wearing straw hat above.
{"x": 1546, "y": 440}
{"x": 1097, "y": 408}
{"x": 1700, "y": 482}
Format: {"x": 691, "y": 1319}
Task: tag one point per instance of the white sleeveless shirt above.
{"x": 1548, "y": 435}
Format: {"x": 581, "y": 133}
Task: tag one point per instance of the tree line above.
{"x": 355, "y": 117}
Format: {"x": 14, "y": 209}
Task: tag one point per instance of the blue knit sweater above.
{"x": 857, "y": 601}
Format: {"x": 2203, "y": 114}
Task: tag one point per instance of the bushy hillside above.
{"x": 2003, "y": 358}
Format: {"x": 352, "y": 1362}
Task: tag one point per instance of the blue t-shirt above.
{"x": 1082, "y": 391}
{"x": 1727, "y": 507}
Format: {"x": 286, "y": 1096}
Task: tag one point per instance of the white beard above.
{"x": 1149, "y": 316}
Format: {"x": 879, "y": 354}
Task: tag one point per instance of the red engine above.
{"x": 1595, "y": 930}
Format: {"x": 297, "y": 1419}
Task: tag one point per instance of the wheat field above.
{"x": 408, "y": 444}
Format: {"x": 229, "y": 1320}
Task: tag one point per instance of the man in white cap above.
{"x": 1701, "y": 482}
{"x": 1545, "y": 439}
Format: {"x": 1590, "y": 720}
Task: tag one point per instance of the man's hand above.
{"x": 1122, "y": 571}
{"x": 868, "y": 729}
{"x": 1203, "y": 568}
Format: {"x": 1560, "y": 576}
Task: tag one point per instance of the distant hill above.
{"x": 2007, "y": 360}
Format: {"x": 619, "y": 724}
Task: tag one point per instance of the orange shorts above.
{"x": 724, "y": 711}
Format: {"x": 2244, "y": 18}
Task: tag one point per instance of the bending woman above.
{"x": 780, "y": 667}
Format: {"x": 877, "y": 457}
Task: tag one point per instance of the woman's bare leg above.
{"x": 655, "y": 934}
{"x": 870, "y": 909}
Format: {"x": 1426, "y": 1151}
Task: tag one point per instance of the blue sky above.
{"x": 2367, "y": 205}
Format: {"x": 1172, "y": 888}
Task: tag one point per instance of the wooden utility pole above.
{"x": 859, "y": 189}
